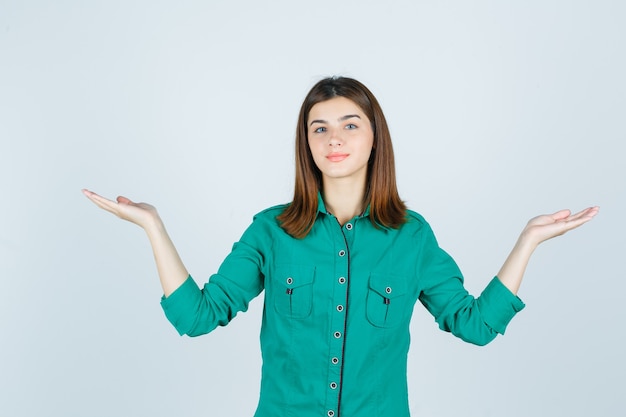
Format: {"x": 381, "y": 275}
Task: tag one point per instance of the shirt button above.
{"x": 289, "y": 280}
{"x": 330, "y": 413}
{"x": 342, "y": 280}
{"x": 335, "y": 361}
{"x": 340, "y": 308}
{"x": 349, "y": 226}
{"x": 333, "y": 385}
{"x": 342, "y": 252}
{"x": 388, "y": 290}
{"x": 337, "y": 335}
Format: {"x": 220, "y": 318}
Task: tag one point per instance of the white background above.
{"x": 499, "y": 111}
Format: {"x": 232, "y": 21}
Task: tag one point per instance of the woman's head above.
{"x": 355, "y": 91}
{"x": 381, "y": 195}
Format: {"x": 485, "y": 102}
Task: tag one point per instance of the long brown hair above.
{"x": 381, "y": 192}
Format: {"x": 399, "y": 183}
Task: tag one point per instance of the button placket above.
{"x": 337, "y": 336}
{"x": 338, "y": 320}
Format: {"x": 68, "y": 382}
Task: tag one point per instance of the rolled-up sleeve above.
{"x": 498, "y": 305}
{"x": 195, "y": 311}
{"x": 475, "y": 320}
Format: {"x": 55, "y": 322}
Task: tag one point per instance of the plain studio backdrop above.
{"x": 499, "y": 111}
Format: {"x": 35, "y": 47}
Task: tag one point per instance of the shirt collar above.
{"x": 321, "y": 207}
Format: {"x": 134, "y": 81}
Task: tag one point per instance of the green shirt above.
{"x": 335, "y": 331}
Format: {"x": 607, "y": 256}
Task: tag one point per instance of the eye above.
{"x": 351, "y": 126}
{"x": 320, "y": 130}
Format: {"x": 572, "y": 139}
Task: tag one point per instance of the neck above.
{"x": 344, "y": 198}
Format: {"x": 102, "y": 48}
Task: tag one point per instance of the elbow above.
{"x": 198, "y": 332}
{"x": 481, "y": 341}
{"x": 477, "y": 340}
{"x": 202, "y": 325}
{"x": 479, "y": 334}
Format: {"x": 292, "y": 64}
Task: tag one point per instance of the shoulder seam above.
{"x": 416, "y": 216}
{"x": 278, "y": 207}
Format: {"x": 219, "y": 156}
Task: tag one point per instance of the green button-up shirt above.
{"x": 335, "y": 331}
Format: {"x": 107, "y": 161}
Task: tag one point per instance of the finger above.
{"x": 124, "y": 200}
{"x": 99, "y": 199}
{"x": 593, "y": 211}
{"x": 90, "y": 194}
{"x": 107, "y": 205}
{"x": 579, "y": 219}
{"x": 590, "y": 212}
{"x": 561, "y": 215}
{"x": 103, "y": 203}
{"x": 587, "y": 213}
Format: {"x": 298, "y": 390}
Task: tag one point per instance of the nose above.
{"x": 335, "y": 139}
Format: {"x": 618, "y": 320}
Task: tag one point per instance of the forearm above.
{"x": 171, "y": 270}
{"x": 539, "y": 229}
{"x": 512, "y": 271}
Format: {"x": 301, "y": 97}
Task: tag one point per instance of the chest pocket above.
{"x": 386, "y": 300}
{"x": 293, "y": 290}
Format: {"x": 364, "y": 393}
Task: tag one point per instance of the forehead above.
{"x": 335, "y": 108}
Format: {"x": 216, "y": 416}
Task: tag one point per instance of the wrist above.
{"x": 154, "y": 225}
{"x": 527, "y": 242}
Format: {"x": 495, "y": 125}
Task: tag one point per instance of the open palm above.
{"x": 139, "y": 213}
{"x": 547, "y": 226}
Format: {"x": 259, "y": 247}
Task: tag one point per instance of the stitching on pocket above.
{"x": 293, "y": 290}
{"x": 386, "y": 300}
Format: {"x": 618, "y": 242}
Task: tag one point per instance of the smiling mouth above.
{"x": 337, "y": 157}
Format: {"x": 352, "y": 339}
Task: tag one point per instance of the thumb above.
{"x": 123, "y": 200}
{"x": 562, "y": 214}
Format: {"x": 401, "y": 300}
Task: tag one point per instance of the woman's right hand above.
{"x": 172, "y": 272}
{"x": 142, "y": 214}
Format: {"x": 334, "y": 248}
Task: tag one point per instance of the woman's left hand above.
{"x": 539, "y": 229}
{"x": 547, "y": 226}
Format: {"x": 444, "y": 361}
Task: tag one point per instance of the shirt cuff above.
{"x": 179, "y": 305}
{"x": 498, "y": 305}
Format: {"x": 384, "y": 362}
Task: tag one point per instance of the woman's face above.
{"x": 341, "y": 139}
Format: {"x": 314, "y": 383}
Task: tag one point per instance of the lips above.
{"x": 337, "y": 157}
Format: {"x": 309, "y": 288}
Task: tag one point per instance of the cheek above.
{"x": 315, "y": 148}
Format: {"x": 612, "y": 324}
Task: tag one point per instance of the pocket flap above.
{"x": 294, "y": 276}
{"x": 388, "y": 286}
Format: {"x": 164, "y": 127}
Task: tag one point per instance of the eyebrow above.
{"x": 341, "y": 119}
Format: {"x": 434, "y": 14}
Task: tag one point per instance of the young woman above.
{"x": 342, "y": 266}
